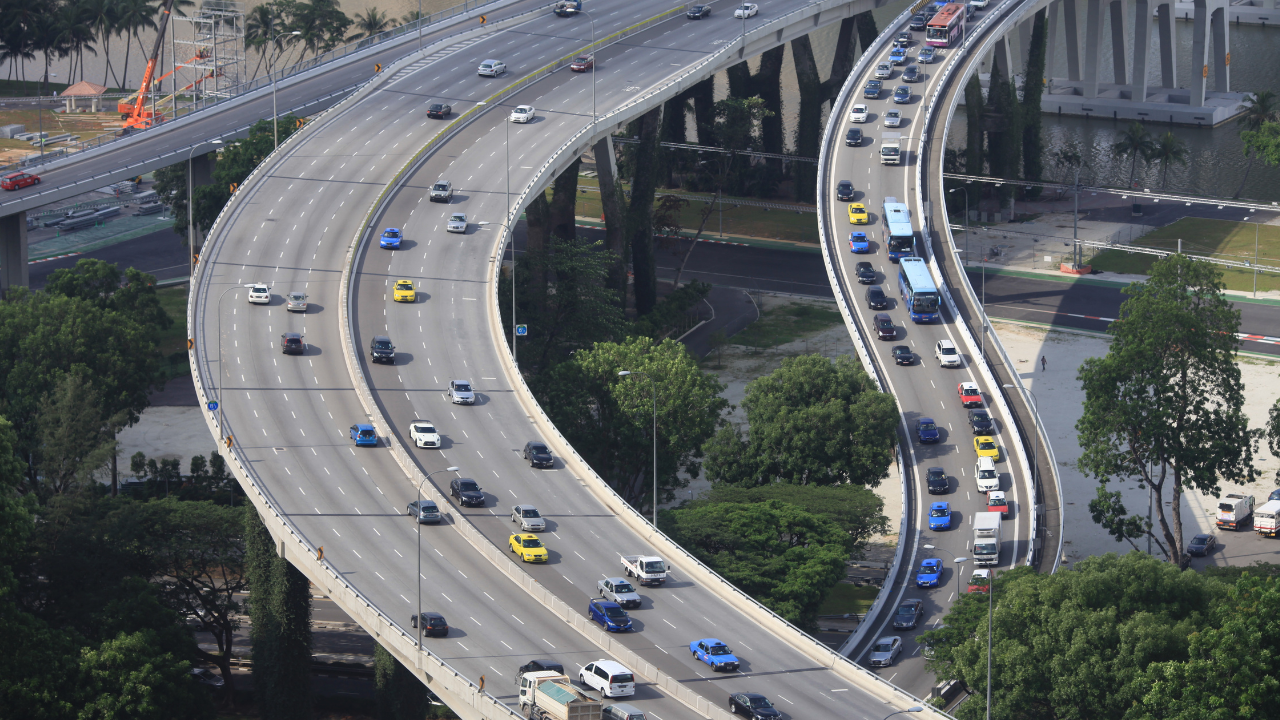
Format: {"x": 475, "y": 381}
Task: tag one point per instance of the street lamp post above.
{"x": 1255, "y": 256}
{"x": 653, "y": 391}
{"x": 191, "y": 207}
{"x": 418, "y": 618}
{"x": 916, "y": 709}
{"x": 275, "y": 115}
{"x": 991, "y": 594}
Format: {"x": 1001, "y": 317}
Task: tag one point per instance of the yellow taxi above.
{"x": 528, "y": 547}
{"x": 857, "y": 213}
{"x": 986, "y": 446}
{"x": 404, "y": 292}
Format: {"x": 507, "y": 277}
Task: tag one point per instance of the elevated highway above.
{"x": 307, "y": 220}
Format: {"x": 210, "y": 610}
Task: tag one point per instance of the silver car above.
{"x": 460, "y": 392}
{"x": 442, "y": 191}
{"x": 457, "y": 223}
{"x": 618, "y": 590}
{"x": 528, "y": 518}
{"x": 426, "y": 510}
{"x": 892, "y": 118}
{"x": 883, "y": 71}
{"x": 296, "y": 302}
{"x": 492, "y": 68}
{"x": 885, "y": 651}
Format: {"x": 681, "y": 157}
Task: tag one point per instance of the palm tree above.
{"x": 134, "y": 16}
{"x": 1168, "y": 149}
{"x": 77, "y": 32}
{"x": 1259, "y": 108}
{"x": 370, "y": 23}
{"x": 413, "y": 16}
{"x": 101, "y": 16}
{"x": 1135, "y": 142}
{"x": 259, "y": 30}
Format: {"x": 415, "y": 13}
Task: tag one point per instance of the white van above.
{"x": 985, "y": 472}
{"x": 609, "y": 678}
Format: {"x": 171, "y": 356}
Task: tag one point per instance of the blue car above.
{"x": 714, "y": 653}
{"x": 872, "y": 90}
{"x": 390, "y": 239}
{"x": 940, "y": 516}
{"x": 610, "y": 615}
{"x": 927, "y": 55}
{"x": 902, "y": 94}
{"x": 858, "y": 242}
{"x": 364, "y": 436}
{"x": 930, "y": 573}
{"x": 898, "y": 55}
{"x": 927, "y": 430}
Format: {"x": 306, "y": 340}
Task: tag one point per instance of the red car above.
{"x": 583, "y": 63}
{"x": 980, "y": 581}
{"x": 970, "y": 395}
{"x": 19, "y": 180}
{"x": 996, "y": 502}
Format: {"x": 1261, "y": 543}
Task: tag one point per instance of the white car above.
{"x": 746, "y": 10}
{"x": 892, "y": 118}
{"x": 978, "y": 3}
{"x": 457, "y": 223}
{"x": 424, "y": 434}
{"x": 609, "y": 678}
{"x": 858, "y": 114}
{"x": 491, "y": 68}
{"x": 522, "y": 114}
{"x": 259, "y": 294}
{"x": 296, "y": 302}
{"x": 883, "y": 71}
{"x": 528, "y": 517}
{"x": 946, "y": 353}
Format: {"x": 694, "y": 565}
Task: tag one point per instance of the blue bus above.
{"x": 899, "y": 237}
{"x": 919, "y": 293}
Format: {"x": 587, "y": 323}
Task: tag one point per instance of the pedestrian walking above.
{"x": 1044, "y": 363}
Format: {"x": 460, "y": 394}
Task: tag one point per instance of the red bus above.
{"x": 947, "y": 27}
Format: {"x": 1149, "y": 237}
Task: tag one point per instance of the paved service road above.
{"x": 290, "y": 414}
{"x": 923, "y": 390}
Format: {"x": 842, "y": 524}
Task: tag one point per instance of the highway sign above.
{"x": 212, "y": 405}
{"x": 522, "y": 330}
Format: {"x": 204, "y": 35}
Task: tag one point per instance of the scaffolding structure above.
{"x": 210, "y": 56}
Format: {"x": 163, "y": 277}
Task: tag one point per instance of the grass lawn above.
{"x": 847, "y": 598}
{"x": 787, "y": 324}
{"x": 1223, "y": 239}
{"x": 740, "y": 220}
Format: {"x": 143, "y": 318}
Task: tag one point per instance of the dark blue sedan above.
{"x": 872, "y": 90}
{"x": 927, "y": 430}
{"x": 714, "y": 653}
{"x": 858, "y": 243}
{"x": 390, "y": 239}
{"x": 610, "y": 615}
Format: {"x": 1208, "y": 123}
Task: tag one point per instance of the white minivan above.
{"x": 609, "y": 678}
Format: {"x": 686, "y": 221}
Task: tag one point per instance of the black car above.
{"x": 381, "y": 349}
{"x": 1202, "y": 545}
{"x": 902, "y": 39}
{"x": 439, "y": 110}
{"x": 536, "y": 452}
{"x": 853, "y": 138}
{"x": 291, "y": 344}
{"x": 912, "y": 74}
{"x": 466, "y": 492}
{"x": 918, "y": 22}
{"x": 876, "y": 299}
{"x": 753, "y": 705}
{"x": 539, "y": 665}
{"x": 433, "y": 624}
{"x": 981, "y": 423}
{"x": 884, "y": 327}
{"x": 866, "y": 274}
{"x": 908, "y": 615}
{"x": 844, "y": 190}
{"x": 902, "y": 355}
{"x": 937, "y": 480}
{"x": 697, "y": 12}
{"x": 928, "y": 11}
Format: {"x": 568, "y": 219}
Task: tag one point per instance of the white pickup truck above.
{"x": 646, "y": 569}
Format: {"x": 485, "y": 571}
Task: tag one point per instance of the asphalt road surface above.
{"x": 161, "y": 253}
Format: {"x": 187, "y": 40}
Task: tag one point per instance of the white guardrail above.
{"x": 1010, "y": 13}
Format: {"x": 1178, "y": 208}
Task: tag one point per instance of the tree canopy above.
{"x": 812, "y": 421}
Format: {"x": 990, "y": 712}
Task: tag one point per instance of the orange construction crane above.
{"x": 125, "y": 105}
{"x": 140, "y": 117}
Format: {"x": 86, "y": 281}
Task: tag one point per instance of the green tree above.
{"x": 398, "y": 694}
{"x": 609, "y": 419}
{"x": 812, "y": 421}
{"x": 75, "y": 439}
{"x": 1074, "y": 645}
{"x": 369, "y": 23}
{"x": 1167, "y": 150}
{"x": 280, "y": 617}
{"x": 128, "y": 678}
{"x": 854, "y": 509}
{"x": 1136, "y": 144}
{"x": 1032, "y": 90}
{"x": 1260, "y": 108}
{"x": 639, "y": 223}
{"x": 784, "y": 557}
{"x": 974, "y": 160}
{"x": 1264, "y": 142}
{"x": 1165, "y": 405}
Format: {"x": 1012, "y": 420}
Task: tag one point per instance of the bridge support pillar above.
{"x": 1071, "y": 29}
{"x": 1210, "y": 17}
{"x": 14, "y": 271}
{"x": 1141, "y": 48}
{"x": 1117, "y": 8}
{"x": 1092, "y": 43}
{"x": 1168, "y": 41}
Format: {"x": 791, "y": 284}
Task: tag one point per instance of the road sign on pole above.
{"x": 522, "y": 330}
{"x": 213, "y": 405}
